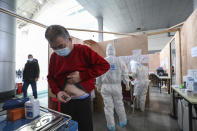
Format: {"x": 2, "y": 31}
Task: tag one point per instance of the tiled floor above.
{"x": 155, "y": 118}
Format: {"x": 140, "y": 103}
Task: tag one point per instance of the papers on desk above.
{"x": 192, "y": 73}
{"x": 185, "y": 91}
{"x": 191, "y": 80}
{"x": 175, "y": 86}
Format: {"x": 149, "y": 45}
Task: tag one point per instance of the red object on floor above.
{"x": 19, "y": 88}
{"x": 55, "y": 104}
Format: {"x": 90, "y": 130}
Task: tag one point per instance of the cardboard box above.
{"x": 15, "y": 114}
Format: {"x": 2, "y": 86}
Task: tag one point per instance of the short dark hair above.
{"x": 55, "y": 31}
{"x": 30, "y": 55}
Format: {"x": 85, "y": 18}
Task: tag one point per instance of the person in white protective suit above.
{"x": 140, "y": 74}
{"x": 111, "y": 90}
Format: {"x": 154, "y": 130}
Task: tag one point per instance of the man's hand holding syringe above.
{"x": 70, "y": 89}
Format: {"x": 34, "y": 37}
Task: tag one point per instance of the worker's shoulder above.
{"x": 35, "y": 60}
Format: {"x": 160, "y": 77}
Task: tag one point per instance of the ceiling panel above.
{"x": 125, "y": 15}
{"x": 128, "y": 15}
{"x": 28, "y": 9}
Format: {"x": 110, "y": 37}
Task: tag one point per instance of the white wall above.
{"x": 195, "y": 4}
{"x": 155, "y": 42}
{"x": 158, "y": 42}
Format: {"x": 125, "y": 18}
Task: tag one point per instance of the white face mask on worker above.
{"x": 63, "y": 52}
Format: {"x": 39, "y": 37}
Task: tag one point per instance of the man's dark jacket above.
{"x": 31, "y": 70}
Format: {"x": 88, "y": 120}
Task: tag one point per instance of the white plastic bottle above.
{"x": 32, "y": 108}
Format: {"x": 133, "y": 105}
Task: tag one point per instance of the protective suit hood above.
{"x": 110, "y": 50}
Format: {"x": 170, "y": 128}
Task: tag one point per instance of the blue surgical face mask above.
{"x": 63, "y": 52}
{"x": 30, "y": 59}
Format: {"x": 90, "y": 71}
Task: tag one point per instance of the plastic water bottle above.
{"x": 181, "y": 86}
{"x": 32, "y": 108}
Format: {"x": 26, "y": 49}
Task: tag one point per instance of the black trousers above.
{"x": 33, "y": 86}
{"x": 80, "y": 110}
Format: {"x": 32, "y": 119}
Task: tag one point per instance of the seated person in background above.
{"x": 160, "y": 71}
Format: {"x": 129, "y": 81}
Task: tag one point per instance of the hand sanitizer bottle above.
{"x": 32, "y": 108}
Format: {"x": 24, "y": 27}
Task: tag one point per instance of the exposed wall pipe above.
{"x": 85, "y": 30}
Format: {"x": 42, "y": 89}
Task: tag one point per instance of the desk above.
{"x": 154, "y": 79}
{"x": 190, "y": 99}
{"x": 166, "y": 80}
{"x": 159, "y": 80}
